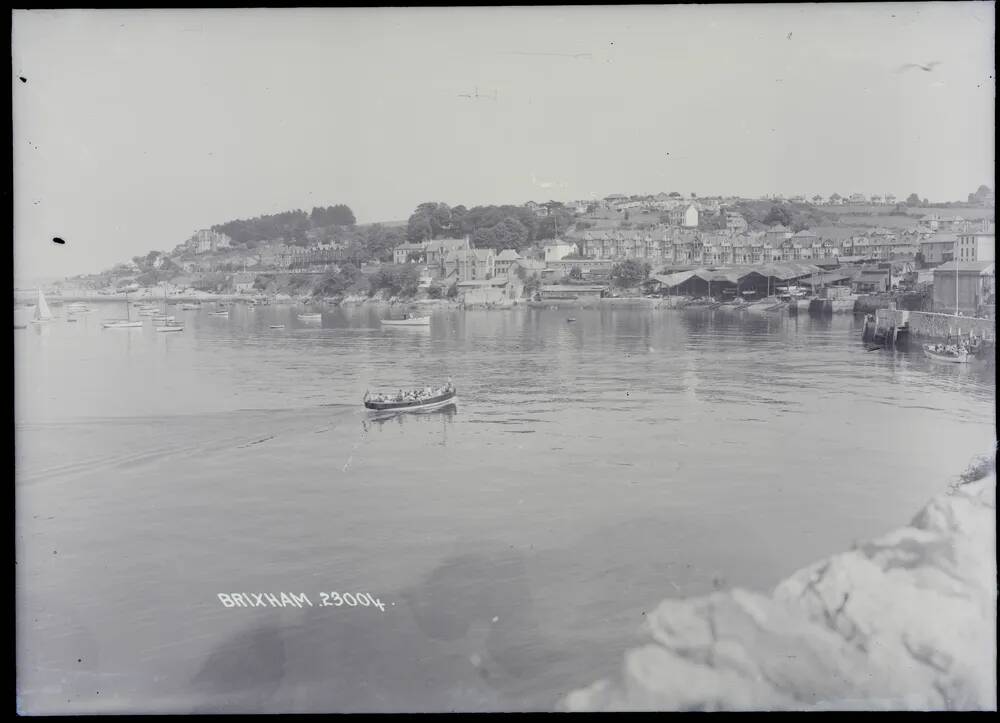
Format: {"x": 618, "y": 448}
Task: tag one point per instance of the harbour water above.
{"x": 588, "y": 471}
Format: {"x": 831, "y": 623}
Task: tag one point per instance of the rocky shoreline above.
{"x": 903, "y": 622}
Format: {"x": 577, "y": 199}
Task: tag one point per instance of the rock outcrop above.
{"x": 904, "y": 622}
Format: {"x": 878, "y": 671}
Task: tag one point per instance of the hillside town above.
{"x": 852, "y": 242}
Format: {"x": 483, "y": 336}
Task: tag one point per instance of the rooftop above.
{"x": 983, "y": 267}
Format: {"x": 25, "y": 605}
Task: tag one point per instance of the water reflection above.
{"x": 443, "y": 414}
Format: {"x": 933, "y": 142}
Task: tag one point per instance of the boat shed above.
{"x": 758, "y": 280}
{"x": 574, "y": 291}
{"x": 832, "y": 278}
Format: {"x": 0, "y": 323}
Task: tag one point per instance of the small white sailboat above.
{"x": 172, "y": 326}
{"x": 310, "y": 317}
{"x": 125, "y": 323}
{"x": 408, "y": 321}
{"x": 42, "y": 312}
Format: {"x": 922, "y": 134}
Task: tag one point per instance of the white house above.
{"x": 557, "y": 250}
{"x": 690, "y": 217}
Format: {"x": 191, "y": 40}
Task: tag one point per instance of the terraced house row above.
{"x": 668, "y": 245}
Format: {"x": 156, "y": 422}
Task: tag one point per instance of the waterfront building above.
{"x": 553, "y": 292}
{"x": 505, "y": 260}
{"x": 977, "y": 245}
{"x": 487, "y": 291}
{"x": 870, "y": 280}
{"x": 464, "y": 264}
{"x": 964, "y": 287}
{"x": 243, "y": 282}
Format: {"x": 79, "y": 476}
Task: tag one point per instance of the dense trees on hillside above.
{"x": 290, "y": 226}
{"x": 339, "y": 215}
{"x": 496, "y": 227}
{"x": 796, "y": 216}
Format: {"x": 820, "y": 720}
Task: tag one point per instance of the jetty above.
{"x": 894, "y": 328}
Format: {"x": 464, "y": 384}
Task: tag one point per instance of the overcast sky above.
{"x": 137, "y": 128}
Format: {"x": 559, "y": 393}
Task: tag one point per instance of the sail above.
{"x": 42, "y": 312}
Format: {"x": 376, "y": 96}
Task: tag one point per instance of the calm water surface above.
{"x": 517, "y": 540}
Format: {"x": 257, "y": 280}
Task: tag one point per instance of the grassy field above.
{"x": 971, "y": 212}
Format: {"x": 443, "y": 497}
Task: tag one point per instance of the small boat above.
{"x": 121, "y": 324}
{"x": 947, "y": 353}
{"x": 159, "y": 319}
{"x": 190, "y": 307}
{"x": 418, "y": 400}
{"x": 310, "y": 317}
{"x": 42, "y": 312}
{"x": 77, "y": 308}
{"x": 170, "y": 327}
{"x": 408, "y": 321}
{"x": 570, "y": 320}
{"x": 70, "y": 319}
{"x": 276, "y": 326}
{"x": 224, "y": 312}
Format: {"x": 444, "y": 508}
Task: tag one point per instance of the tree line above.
{"x": 495, "y": 227}
{"x": 292, "y": 226}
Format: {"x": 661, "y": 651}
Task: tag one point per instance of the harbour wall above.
{"x": 903, "y": 622}
{"x": 927, "y": 325}
{"x": 871, "y": 303}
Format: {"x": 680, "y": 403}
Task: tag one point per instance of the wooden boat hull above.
{"x": 413, "y": 406}
{"x": 420, "y": 321}
{"x": 947, "y": 358}
{"x": 123, "y": 325}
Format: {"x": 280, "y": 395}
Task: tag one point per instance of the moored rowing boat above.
{"x": 939, "y": 352}
{"x": 413, "y": 321}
